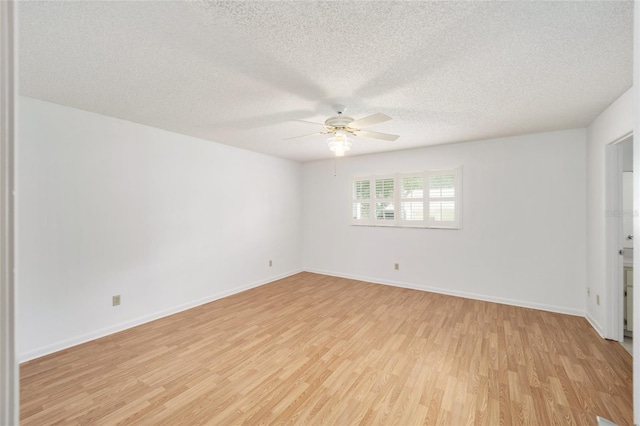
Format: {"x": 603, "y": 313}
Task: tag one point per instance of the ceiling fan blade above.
{"x": 304, "y": 136}
{"x": 376, "y": 135}
{"x": 312, "y": 122}
{"x": 370, "y": 120}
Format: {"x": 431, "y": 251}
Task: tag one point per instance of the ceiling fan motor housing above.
{"x": 338, "y": 121}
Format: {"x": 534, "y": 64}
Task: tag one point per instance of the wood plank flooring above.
{"x": 312, "y": 349}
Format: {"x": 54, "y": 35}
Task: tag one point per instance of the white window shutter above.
{"x": 385, "y": 205}
{"x": 361, "y": 208}
{"x": 443, "y": 200}
{"x": 428, "y": 199}
{"x": 411, "y": 199}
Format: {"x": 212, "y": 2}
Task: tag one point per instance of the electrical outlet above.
{"x": 598, "y": 299}
{"x": 588, "y": 292}
{"x": 116, "y": 300}
{"x": 396, "y": 266}
{"x": 270, "y": 263}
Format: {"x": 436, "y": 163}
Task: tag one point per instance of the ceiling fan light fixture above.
{"x": 339, "y": 143}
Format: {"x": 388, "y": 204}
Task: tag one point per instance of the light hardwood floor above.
{"x": 312, "y": 349}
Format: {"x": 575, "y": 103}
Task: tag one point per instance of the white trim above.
{"x": 622, "y": 138}
{"x": 636, "y": 203}
{"x": 613, "y": 285}
{"x": 77, "y": 340}
{"x": 449, "y": 292}
{"x": 457, "y": 199}
{"x": 375, "y": 200}
{"x": 397, "y": 200}
{"x": 9, "y": 372}
{"x": 595, "y": 324}
{"x": 353, "y": 200}
{"x": 613, "y": 261}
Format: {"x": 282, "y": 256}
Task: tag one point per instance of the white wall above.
{"x": 612, "y": 124}
{"x": 523, "y": 238}
{"x": 108, "y": 207}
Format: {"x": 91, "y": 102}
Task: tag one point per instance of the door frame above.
{"x": 9, "y": 384}
{"x": 614, "y": 275}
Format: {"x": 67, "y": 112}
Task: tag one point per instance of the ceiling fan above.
{"x": 341, "y": 127}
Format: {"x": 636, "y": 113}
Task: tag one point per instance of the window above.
{"x": 362, "y": 200}
{"x": 411, "y": 199}
{"x": 428, "y": 199}
{"x": 385, "y": 196}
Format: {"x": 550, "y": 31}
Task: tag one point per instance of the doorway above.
{"x": 627, "y": 243}
{"x": 620, "y": 240}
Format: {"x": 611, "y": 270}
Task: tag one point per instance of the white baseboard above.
{"x": 58, "y": 346}
{"x": 467, "y": 295}
{"x": 596, "y": 325}
{"x": 48, "y": 349}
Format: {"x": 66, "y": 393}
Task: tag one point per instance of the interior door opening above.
{"x": 620, "y": 240}
{"x": 627, "y": 238}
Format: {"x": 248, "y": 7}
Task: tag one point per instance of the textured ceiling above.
{"x": 242, "y": 73}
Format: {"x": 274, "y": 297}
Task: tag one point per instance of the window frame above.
{"x": 426, "y": 200}
{"x": 401, "y": 199}
{"x": 375, "y": 200}
{"x": 355, "y": 200}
